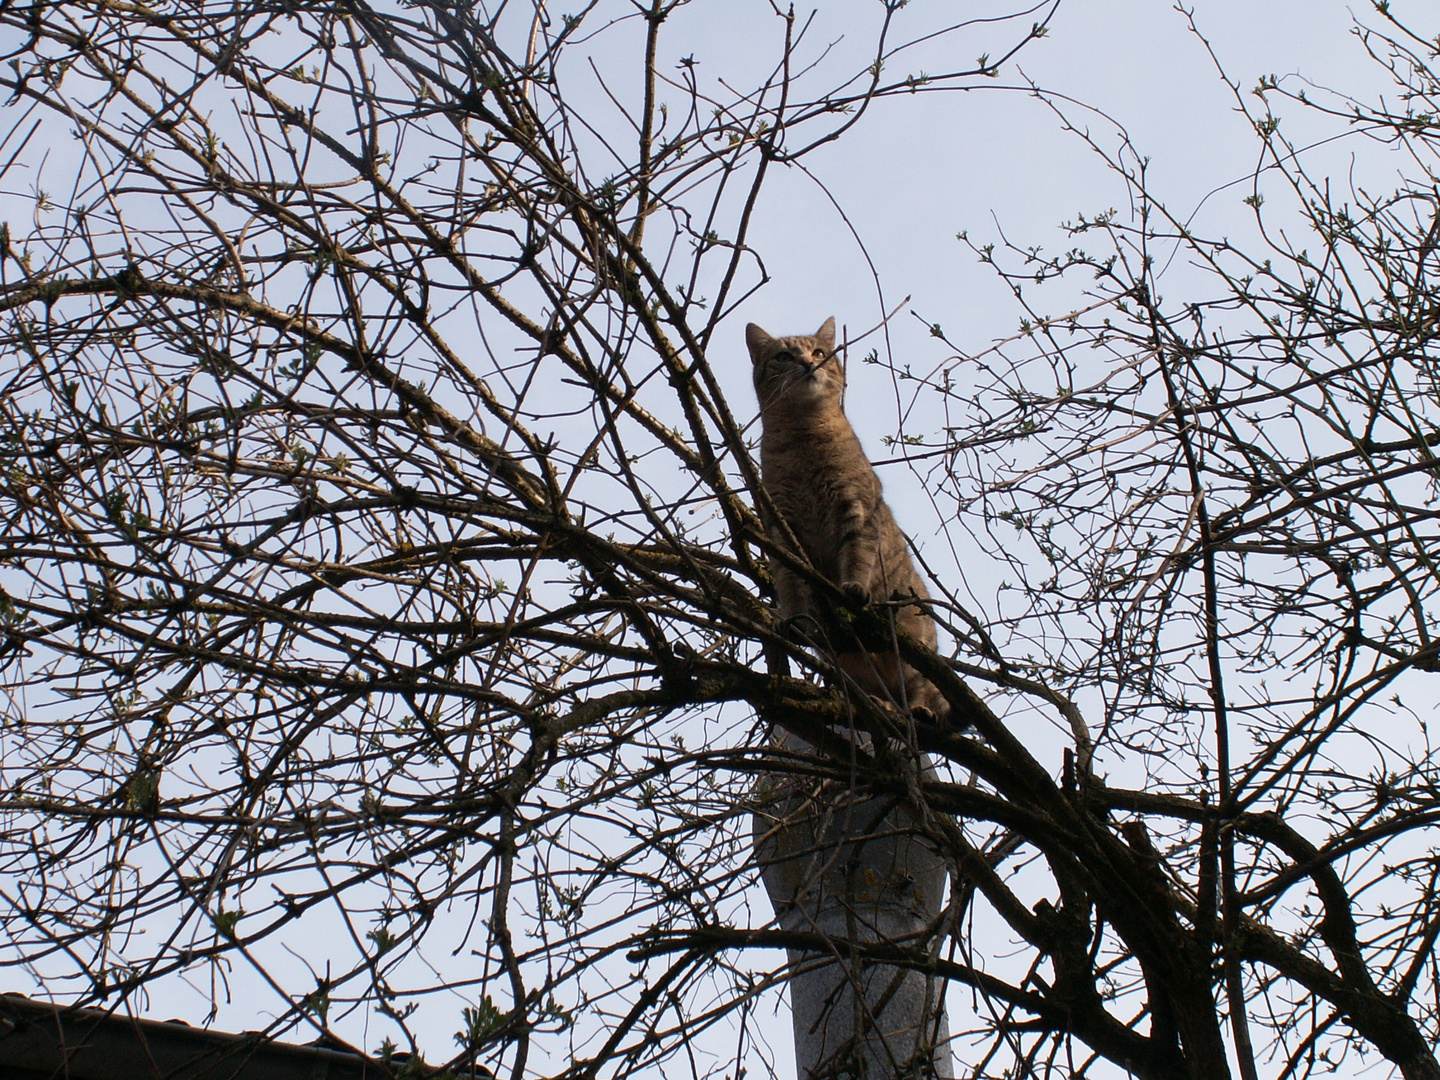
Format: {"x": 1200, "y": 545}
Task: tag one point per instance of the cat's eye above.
{"x": 819, "y": 354}
{"x": 785, "y": 357}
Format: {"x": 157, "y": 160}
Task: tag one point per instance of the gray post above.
{"x": 854, "y": 868}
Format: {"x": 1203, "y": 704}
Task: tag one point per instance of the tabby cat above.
{"x": 817, "y": 476}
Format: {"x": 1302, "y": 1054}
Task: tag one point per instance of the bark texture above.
{"x": 857, "y": 869}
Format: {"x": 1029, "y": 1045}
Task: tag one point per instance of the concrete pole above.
{"x": 854, "y": 867}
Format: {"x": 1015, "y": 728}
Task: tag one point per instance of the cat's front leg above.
{"x": 858, "y": 550}
{"x": 795, "y": 604}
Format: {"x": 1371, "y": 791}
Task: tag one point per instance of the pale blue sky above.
{"x": 919, "y": 169}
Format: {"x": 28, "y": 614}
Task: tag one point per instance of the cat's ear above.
{"x": 758, "y": 341}
{"x": 826, "y": 334}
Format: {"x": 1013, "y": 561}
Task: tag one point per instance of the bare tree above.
{"x": 386, "y": 621}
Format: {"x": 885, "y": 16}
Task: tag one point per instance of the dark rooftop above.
{"x": 39, "y": 1041}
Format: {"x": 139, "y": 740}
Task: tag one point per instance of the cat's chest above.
{"x": 811, "y": 480}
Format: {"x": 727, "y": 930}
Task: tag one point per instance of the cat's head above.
{"x": 795, "y": 372}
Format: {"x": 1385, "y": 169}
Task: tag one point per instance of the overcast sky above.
{"x": 921, "y": 170}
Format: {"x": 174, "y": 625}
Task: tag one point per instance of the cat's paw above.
{"x": 937, "y": 715}
{"x": 855, "y": 592}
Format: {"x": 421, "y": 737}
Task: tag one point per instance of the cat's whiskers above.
{"x": 780, "y": 388}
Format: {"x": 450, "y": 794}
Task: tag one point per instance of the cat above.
{"x": 820, "y": 482}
